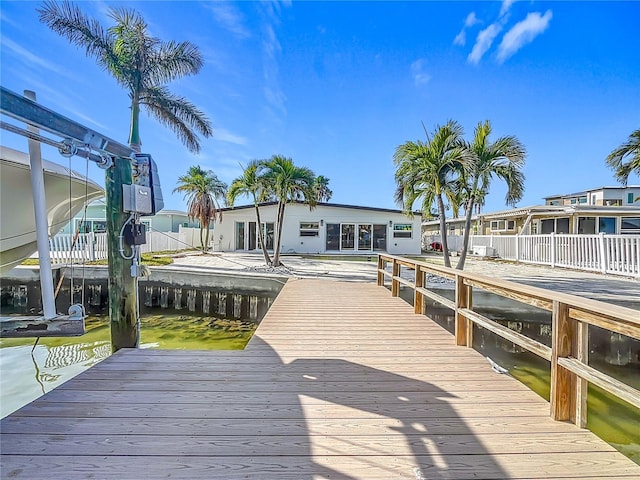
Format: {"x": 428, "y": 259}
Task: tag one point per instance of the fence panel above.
{"x": 622, "y": 254}
{"x": 614, "y": 254}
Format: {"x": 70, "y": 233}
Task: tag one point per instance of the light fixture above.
{"x": 391, "y": 223}
{"x": 321, "y": 222}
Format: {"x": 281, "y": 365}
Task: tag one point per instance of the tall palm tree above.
{"x": 629, "y": 150}
{"x": 251, "y": 184}
{"x": 428, "y": 171}
{"x": 142, "y": 64}
{"x": 503, "y": 159}
{"x": 321, "y": 188}
{"x": 287, "y": 183}
{"x": 203, "y": 191}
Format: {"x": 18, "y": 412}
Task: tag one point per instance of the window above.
{"x": 586, "y": 225}
{"x": 502, "y": 225}
{"x": 629, "y": 198}
{"x": 309, "y": 229}
{"x": 402, "y": 230}
{"x": 630, "y": 226}
{"x": 95, "y": 226}
{"x": 607, "y": 225}
{"x": 333, "y": 236}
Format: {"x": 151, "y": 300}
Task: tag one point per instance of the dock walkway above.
{"x": 340, "y": 381}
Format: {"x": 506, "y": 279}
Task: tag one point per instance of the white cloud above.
{"x": 224, "y": 135}
{"x": 483, "y": 42}
{"x": 228, "y": 16}
{"x": 523, "y": 33}
{"x": 420, "y": 77}
{"x": 26, "y": 57}
{"x": 506, "y": 5}
{"x": 471, "y": 20}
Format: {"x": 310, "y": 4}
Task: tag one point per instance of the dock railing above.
{"x": 571, "y": 317}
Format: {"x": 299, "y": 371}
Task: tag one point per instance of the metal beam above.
{"x": 30, "y": 112}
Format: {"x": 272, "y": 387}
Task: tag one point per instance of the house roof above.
{"x": 322, "y": 204}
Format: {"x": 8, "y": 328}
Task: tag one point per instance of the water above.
{"x": 172, "y": 317}
{"x": 613, "y": 420}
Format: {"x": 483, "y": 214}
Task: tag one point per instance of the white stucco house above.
{"x": 328, "y": 229}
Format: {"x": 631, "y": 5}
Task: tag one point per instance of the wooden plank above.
{"x": 418, "y": 465}
{"x": 394, "y": 443}
{"x": 333, "y": 427}
{"x": 602, "y": 380}
{"x": 38, "y": 326}
{"x": 505, "y": 332}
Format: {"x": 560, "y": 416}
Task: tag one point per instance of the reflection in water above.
{"x": 171, "y": 318}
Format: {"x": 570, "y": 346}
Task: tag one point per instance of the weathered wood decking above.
{"x": 340, "y": 381}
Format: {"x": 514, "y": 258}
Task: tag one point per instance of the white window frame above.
{"x": 629, "y": 231}
{"x": 309, "y": 229}
{"x": 400, "y": 230}
{"x": 507, "y": 225}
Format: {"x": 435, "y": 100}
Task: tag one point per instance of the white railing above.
{"x": 93, "y": 246}
{"x": 614, "y": 254}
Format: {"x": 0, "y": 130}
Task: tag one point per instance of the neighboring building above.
{"x": 327, "y": 228}
{"x": 95, "y": 220}
{"x": 605, "y": 196}
{"x": 612, "y": 210}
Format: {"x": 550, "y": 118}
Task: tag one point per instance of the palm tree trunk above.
{"x": 134, "y": 132}
{"x": 443, "y": 232}
{"x": 201, "y": 239}
{"x": 276, "y": 253}
{"x": 267, "y": 259}
{"x": 467, "y": 228}
{"x": 206, "y": 239}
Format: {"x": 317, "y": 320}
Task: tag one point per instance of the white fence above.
{"x": 93, "y": 246}
{"x": 614, "y": 254}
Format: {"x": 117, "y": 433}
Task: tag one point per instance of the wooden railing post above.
{"x": 580, "y": 351}
{"x": 561, "y": 345}
{"x": 380, "y": 274}
{"x": 418, "y": 298}
{"x": 463, "y": 326}
{"x": 395, "y": 285}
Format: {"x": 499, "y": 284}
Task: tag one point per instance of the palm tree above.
{"x": 429, "y": 171}
{"x": 203, "y": 191}
{"x": 287, "y": 183}
{"x": 251, "y": 183}
{"x": 321, "y": 188}
{"x": 503, "y": 159}
{"x": 631, "y": 150}
{"x": 140, "y": 63}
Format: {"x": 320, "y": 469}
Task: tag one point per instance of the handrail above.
{"x": 571, "y": 314}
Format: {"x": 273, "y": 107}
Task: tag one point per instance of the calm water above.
{"x": 171, "y": 318}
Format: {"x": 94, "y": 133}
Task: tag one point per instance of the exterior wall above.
{"x": 293, "y": 242}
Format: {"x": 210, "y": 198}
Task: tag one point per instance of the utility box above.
{"x": 484, "y": 251}
{"x": 137, "y": 199}
{"x": 135, "y": 234}
{"x": 145, "y": 174}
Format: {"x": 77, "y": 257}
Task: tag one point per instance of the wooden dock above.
{"x": 340, "y": 381}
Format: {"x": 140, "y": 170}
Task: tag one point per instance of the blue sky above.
{"x": 337, "y": 86}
